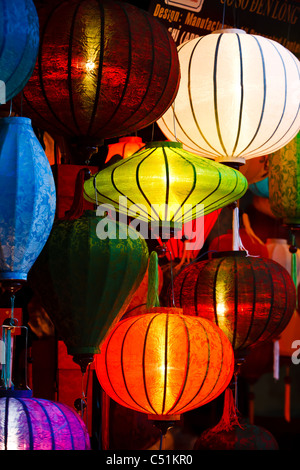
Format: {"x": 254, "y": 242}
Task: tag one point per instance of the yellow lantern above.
{"x": 238, "y": 97}
{"x": 165, "y": 186}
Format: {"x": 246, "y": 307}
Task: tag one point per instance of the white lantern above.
{"x": 238, "y": 97}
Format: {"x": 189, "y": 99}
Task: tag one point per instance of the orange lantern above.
{"x": 164, "y": 363}
{"x": 125, "y": 147}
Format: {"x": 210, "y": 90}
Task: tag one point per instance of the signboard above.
{"x": 274, "y": 19}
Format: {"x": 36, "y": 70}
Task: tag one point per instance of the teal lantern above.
{"x": 19, "y": 43}
{"x": 86, "y": 281}
{"x": 27, "y": 202}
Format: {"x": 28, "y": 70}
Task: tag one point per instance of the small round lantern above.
{"x": 37, "y": 424}
{"x": 105, "y": 69}
{"x": 164, "y": 363}
{"x": 238, "y": 97}
{"x": 19, "y": 44}
{"x": 251, "y": 299}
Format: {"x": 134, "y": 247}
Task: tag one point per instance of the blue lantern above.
{"x": 19, "y": 43}
{"x": 260, "y": 188}
{"x": 27, "y": 199}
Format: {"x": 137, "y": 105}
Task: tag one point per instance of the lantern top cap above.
{"x": 164, "y": 143}
{"x": 14, "y": 393}
{"x": 227, "y": 254}
{"x": 229, "y": 30}
{"x": 16, "y": 120}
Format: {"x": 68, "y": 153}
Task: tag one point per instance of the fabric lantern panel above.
{"x": 125, "y": 147}
{"x": 260, "y": 188}
{"x": 86, "y": 283}
{"x": 164, "y": 363}
{"x": 251, "y": 299}
{"x": 115, "y": 71}
{"x": 19, "y": 44}
{"x": 284, "y": 175}
{"x": 238, "y": 97}
{"x": 28, "y": 198}
{"x": 183, "y": 187}
{"x": 37, "y": 424}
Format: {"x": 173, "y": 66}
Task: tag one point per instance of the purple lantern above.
{"x": 28, "y": 423}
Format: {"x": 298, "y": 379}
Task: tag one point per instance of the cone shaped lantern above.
{"x": 238, "y": 97}
{"x": 163, "y": 184}
{"x": 86, "y": 283}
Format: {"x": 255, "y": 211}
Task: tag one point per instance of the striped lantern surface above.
{"x": 164, "y": 363}
{"x": 238, "y": 97}
{"x": 163, "y": 184}
{"x": 251, "y": 299}
{"x": 104, "y": 69}
{"x": 28, "y": 423}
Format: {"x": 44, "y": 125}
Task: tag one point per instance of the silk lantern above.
{"x": 165, "y": 185}
{"x": 284, "y": 173}
{"x": 163, "y": 363}
{"x": 104, "y": 69}
{"x": 251, "y": 299}
{"x": 19, "y": 43}
{"x": 85, "y": 282}
{"x": 238, "y": 97}
{"x": 28, "y": 197}
{"x": 29, "y": 423}
{"x": 125, "y": 147}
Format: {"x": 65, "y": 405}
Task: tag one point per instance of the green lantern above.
{"x": 284, "y": 183}
{"x": 85, "y": 283}
{"x": 164, "y": 185}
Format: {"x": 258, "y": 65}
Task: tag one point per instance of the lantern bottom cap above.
{"x": 163, "y": 417}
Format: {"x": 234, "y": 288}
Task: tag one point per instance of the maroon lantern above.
{"x": 251, "y": 299}
{"x": 104, "y": 69}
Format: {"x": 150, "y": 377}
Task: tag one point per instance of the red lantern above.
{"x": 251, "y": 299}
{"x": 126, "y": 147}
{"x": 224, "y": 243}
{"x": 104, "y": 69}
{"x": 164, "y": 363}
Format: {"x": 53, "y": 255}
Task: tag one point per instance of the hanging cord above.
{"x": 223, "y": 17}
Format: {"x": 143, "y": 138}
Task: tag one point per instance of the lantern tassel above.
{"x": 230, "y": 413}
{"x": 153, "y": 282}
